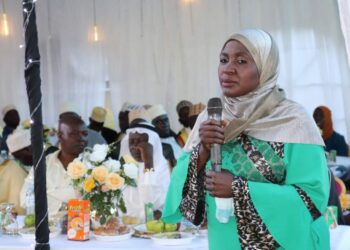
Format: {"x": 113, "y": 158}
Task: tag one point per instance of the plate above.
{"x": 114, "y": 237}
{"x": 173, "y": 238}
{"x": 141, "y": 231}
{"x": 29, "y": 233}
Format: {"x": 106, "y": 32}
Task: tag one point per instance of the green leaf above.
{"x": 122, "y": 205}
{"x": 132, "y": 183}
{"x": 103, "y": 220}
{"x": 122, "y": 161}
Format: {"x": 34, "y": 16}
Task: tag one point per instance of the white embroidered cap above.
{"x": 19, "y": 139}
{"x": 156, "y": 110}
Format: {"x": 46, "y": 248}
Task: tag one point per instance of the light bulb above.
{"x": 5, "y": 25}
{"x": 95, "y": 33}
{"x": 188, "y": 1}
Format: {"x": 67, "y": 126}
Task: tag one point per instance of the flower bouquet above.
{"x": 102, "y": 180}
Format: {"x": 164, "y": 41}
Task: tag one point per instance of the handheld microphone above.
{"x": 214, "y": 109}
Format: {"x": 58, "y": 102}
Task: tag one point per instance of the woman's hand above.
{"x": 219, "y": 184}
{"x": 210, "y": 132}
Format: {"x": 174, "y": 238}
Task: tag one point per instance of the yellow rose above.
{"x": 89, "y": 184}
{"x": 76, "y": 169}
{"x": 100, "y": 173}
{"x": 114, "y": 181}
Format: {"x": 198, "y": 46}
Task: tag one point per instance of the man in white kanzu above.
{"x": 72, "y": 136}
{"x": 160, "y": 120}
{"x": 152, "y": 179}
{"x": 12, "y": 172}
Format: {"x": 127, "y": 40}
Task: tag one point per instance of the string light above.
{"x": 5, "y": 25}
{"x": 95, "y": 29}
{"x": 188, "y": 1}
{"x": 95, "y": 33}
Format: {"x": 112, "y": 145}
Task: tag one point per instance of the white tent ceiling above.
{"x": 162, "y": 51}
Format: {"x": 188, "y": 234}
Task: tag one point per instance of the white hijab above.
{"x": 264, "y": 113}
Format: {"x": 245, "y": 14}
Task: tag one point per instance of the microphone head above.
{"x": 214, "y": 106}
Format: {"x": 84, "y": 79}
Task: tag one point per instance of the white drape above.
{"x": 162, "y": 51}
{"x": 344, "y": 14}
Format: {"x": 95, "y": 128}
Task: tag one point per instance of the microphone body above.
{"x": 214, "y": 109}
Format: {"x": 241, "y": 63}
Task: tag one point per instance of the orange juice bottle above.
{"x": 78, "y": 220}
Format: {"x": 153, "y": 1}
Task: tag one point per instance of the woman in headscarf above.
{"x": 274, "y": 166}
{"x": 153, "y": 177}
{"x": 332, "y": 139}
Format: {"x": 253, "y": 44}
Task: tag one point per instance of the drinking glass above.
{"x": 9, "y": 223}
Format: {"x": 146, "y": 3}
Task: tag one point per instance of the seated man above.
{"x": 123, "y": 118}
{"x": 72, "y": 136}
{"x": 11, "y": 119}
{"x": 160, "y": 120}
{"x": 97, "y": 124}
{"x": 108, "y": 130}
{"x": 182, "y": 109}
{"x": 97, "y": 119}
{"x": 193, "y": 113}
{"x": 333, "y": 140}
{"x": 144, "y": 146}
{"x": 12, "y": 175}
{"x": 93, "y": 136}
{"x": 130, "y": 115}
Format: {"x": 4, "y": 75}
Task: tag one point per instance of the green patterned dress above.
{"x": 280, "y": 192}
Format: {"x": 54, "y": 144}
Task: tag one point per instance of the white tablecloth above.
{"x": 340, "y": 240}
{"x": 61, "y": 243}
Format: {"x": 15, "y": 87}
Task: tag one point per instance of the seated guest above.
{"x": 182, "y": 109}
{"x": 129, "y": 113}
{"x": 144, "y": 146}
{"x": 96, "y": 122}
{"x": 123, "y": 118}
{"x": 160, "y": 120}
{"x": 193, "y": 113}
{"x": 93, "y": 136}
{"x": 20, "y": 148}
{"x": 11, "y": 119}
{"x": 140, "y": 117}
{"x": 12, "y": 175}
{"x": 97, "y": 118}
{"x": 72, "y": 136}
{"x": 333, "y": 140}
{"x": 108, "y": 130}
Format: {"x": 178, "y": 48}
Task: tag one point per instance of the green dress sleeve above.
{"x": 282, "y": 208}
{"x": 171, "y": 212}
{"x": 186, "y": 195}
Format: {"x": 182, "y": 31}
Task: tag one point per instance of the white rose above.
{"x": 112, "y": 165}
{"x": 131, "y": 170}
{"x": 99, "y": 152}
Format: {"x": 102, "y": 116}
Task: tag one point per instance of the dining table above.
{"x": 339, "y": 240}
{"x": 60, "y": 242}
